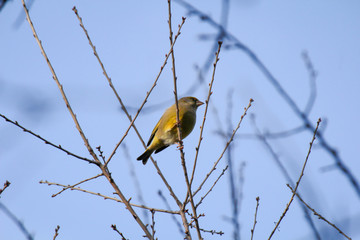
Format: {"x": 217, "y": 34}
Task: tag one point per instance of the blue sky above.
{"x": 132, "y": 40}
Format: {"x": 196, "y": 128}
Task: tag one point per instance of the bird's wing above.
{"x": 153, "y": 133}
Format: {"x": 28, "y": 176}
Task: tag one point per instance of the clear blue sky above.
{"x": 132, "y": 38}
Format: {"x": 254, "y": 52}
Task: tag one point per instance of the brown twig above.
{"x": 298, "y": 181}
{"x": 318, "y": 214}
{"x": 182, "y": 207}
{"x": 101, "y": 153}
{"x": 107, "y": 197}
{"x": 113, "y": 226}
{"x": 225, "y": 148}
{"x": 72, "y": 186}
{"x": 211, "y": 188}
{"x": 56, "y": 232}
{"x": 153, "y": 223}
{"x": 212, "y": 232}
{"x": 276, "y": 158}
{"x": 206, "y": 109}
{"x": 6, "y": 184}
{"x": 46, "y": 141}
{"x": 256, "y": 210}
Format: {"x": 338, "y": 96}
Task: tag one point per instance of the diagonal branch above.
{"x": 48, "y": 142}
{"x": 76, "y": 184}
{"x": 318, "y": 214}
{"x": 206, "y": 109}
{"x": 226, "y": 146}
{"x": 107, "y": 197}
{"x": 298, "y": 181}
{"x": 182, "y": 207}
{"x": 6, "y": 185}
{"x": 211, "y": 188}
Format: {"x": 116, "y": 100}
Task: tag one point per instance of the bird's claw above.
{"x": 180, "y": 145}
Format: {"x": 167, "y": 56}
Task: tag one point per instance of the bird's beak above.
{"x": 199, "y": 103}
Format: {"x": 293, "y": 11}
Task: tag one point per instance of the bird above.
{"x": 165, "y": 133}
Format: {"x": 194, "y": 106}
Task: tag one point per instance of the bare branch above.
{"x": 212, "y": 232}
{"x": 256, "y": 210}
{"x": 203, "y": 197}
{"x": 317, "y": 214}
{"x": 226, "y": 146}
{"x": 56, "y": 232}
{"x": 113, "y": 226}
{"x": 298, "y": 182}
{"x": 107, "y": 197}
{"x": 6, "y": 184}
{"x": 276, "y": 158}
{"x": 48, "y": 142}
{"x": 72, "y": 186}
{"x": 182, "y": 207}
{"x": 153, "y": 223}
{"x": 206, "y": 110}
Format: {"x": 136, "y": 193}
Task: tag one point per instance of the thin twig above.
{"x": 47, "y": 141}
{"x": 101, "y": 153}
{"x": 298, "y": 181}
{"x": 233, "y": 190}
{"x": 56, "y": 232}
{"x": 107, "y": 197}
{"x": 153, "y": 223}
{"x": 318, "y": 214}
{"x": 6, "y": 184}
{"x": 211, "y": 188}
{"x": 182, "y": 208}
{"x": 72, "y": 186}
{"x": 212, "y": 232}
{"x": 113, "y": 226}
{"x": 205, "y": 112}
{"x": 283, "y": 170}
{"x": 256, "y": 210}
{"x": 225, "y": 148}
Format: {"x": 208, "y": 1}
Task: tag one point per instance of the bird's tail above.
{"x": 145, "y": 156}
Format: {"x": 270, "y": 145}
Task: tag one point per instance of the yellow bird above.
{"x": 165, "y": 132}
